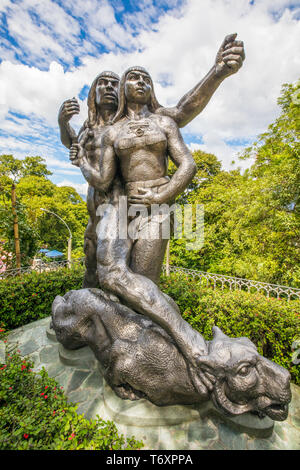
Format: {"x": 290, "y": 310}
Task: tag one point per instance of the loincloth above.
{"x": 132, "y": 187}
{"x": 143, "y": 221}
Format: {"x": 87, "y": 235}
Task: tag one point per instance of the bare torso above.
{"x": 92, "y": 144}
{"x": 141, "y": 148}
{"x": 91, "y": 148}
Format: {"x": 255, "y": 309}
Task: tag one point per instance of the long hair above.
{"x": 153, "y": 104}
{"x": 91, "y": 101}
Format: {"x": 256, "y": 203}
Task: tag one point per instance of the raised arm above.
{"x": 101, "y": 178}
{"x": 183, "y": 160}
{"x": 228, "y": 61}
{"x": 67, "y": 110}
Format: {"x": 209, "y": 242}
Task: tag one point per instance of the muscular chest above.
{"x": 94, "y": 142}
{"x": 137, "y": 135}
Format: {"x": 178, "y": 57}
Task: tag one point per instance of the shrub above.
{"x": 271, "y": 324}
{"x": 35, "y": 415}
{"x": 25, "y": 299}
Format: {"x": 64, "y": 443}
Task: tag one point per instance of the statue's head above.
{"x": 103, "y": 94}
{"x": 245, "y": 381}
{"x": 136, "y": 86}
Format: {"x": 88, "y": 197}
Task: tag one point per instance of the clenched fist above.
{"x": 230, "y": 56}
{"x": 67, "y": 110}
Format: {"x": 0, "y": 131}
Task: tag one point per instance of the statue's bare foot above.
{"x": 203, "y": 383}
{"x": 127, "y": 393}
{"x": 109, "y": 296}
{"x": 195, "y": 347}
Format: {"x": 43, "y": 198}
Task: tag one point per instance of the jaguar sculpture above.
{"x": 140, "y": 360}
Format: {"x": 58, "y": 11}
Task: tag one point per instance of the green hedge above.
{"x": 27, "y": 298}
{"x": 271, "y": 324}
{"x": 35, "y": 415}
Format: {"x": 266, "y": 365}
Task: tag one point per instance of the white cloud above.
{"x": 55, "y": 163}
{"x": 29, "y": 90}
{"x": 3, "y": 5}
{"x": 65, "y": 172}
{"x": 9, "y": 145}
{"x": 80, "y": 188}
{"x": 213, "y": 143}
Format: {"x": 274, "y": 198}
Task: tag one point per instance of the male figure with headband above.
{"x": 102, "y": 106}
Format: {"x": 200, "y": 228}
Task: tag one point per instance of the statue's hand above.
{"x": 77, "y": 150}
{"x": 73, "y": 155}
{"x": 230, "y": 56}
{"x": 67, "y": 110}
{"x": 145, "y": 196}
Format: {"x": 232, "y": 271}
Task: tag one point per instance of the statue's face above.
{"x": 138, "y": 87}
{"x": 107, "y": 92}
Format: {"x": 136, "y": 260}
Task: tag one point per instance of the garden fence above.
{"x": 237, "y": 283}
{"x": 209, "y": 279}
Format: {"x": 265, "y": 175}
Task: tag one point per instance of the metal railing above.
{"x": 237, "y": 283}
{"x": 209, "y": 279}
{"x": 40, "y": 268}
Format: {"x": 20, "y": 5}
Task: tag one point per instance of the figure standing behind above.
{"x": 102, "y": 106}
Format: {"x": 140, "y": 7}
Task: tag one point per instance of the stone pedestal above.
{"x": 160, "y": 428}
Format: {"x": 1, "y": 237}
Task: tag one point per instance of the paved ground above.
{"x": 159, "y": 427}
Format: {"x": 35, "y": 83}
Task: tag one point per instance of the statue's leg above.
{"x": 90, "y": 242}
{"x": 139, "y": 292}
{"x": 142, "y": 264}
{"x": 147, "y": 258}
{"x": 90, "y": 250}
{"x": 153, "y": 237}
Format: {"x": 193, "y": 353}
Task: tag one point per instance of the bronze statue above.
{"x": 103, "y": 104}
{"x": 123, "y": 150}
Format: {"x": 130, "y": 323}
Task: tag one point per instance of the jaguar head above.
{"x": 244, "y": 381}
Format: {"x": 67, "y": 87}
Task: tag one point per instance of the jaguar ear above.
{"x": 218, "y": 341}
{"x": 218, "y": 334}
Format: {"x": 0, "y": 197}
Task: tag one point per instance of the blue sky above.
{"x": 51, "y": 50}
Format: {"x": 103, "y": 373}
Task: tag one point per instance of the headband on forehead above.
{"x": 108, "y": 73}
{"x": 136, "y": 68}
{"x": 153, "y": 105}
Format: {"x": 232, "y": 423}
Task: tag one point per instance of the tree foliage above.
{"x": 252, "y": 219}
{"x": 35, "y": 191}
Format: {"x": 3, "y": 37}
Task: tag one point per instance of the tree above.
{"x": 11, "y": 171}
{"x": 28, "y": 236}
{"x": 208, "y": 167}
{"x": 252, "y": 219}
{"x": 36, "y": 193}
{"x": 15, "y": 168}
{"x": 277, "y": 172}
